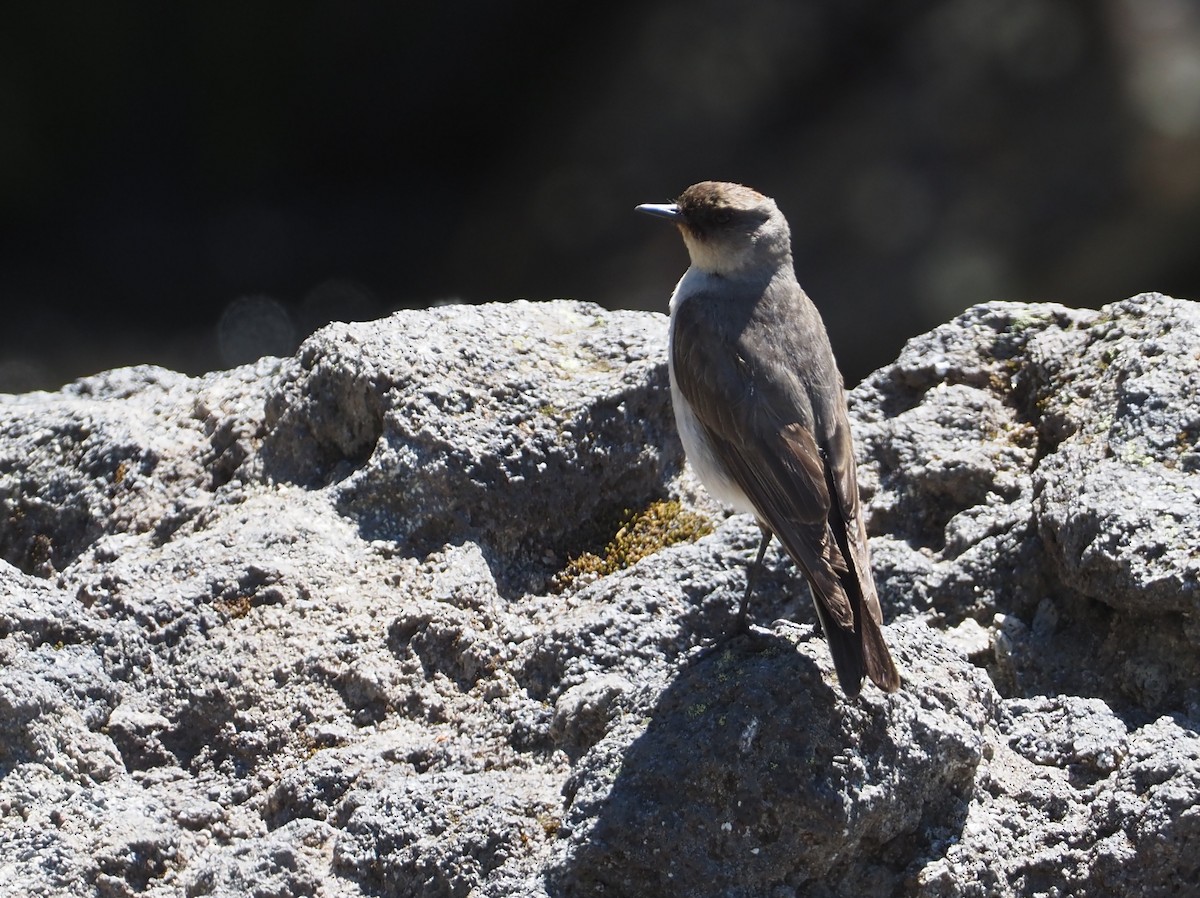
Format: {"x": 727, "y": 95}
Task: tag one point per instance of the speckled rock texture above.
{"x": 295, "y": 629}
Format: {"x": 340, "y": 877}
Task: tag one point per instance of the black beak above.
{"x": 661, "y": 210}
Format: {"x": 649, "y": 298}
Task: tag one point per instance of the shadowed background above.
{"x": 189, "y": 188}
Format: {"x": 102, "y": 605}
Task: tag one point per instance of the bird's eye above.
{"x": 724, "y": 217}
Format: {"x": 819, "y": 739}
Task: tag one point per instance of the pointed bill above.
{"x": 660, "y": 210}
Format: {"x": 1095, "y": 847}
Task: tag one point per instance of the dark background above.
{"x": 189, "y": 188}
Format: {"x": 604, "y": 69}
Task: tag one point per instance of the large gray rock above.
{"x": 295, "y": 629}
{"x": 747, "y": 771}
{"x": 1036, "y": 467}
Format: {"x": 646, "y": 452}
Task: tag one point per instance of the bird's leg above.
{"x": 741, "y": 625}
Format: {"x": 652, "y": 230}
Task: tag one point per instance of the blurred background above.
{"x": 192, "y": 188}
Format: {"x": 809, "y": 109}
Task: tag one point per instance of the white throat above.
{"x": 712, "y": 258}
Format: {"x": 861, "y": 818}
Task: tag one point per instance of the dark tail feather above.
{"x": 860, "y": 652}
{"x": 877, "y": 658}
{"x": 847, "y": 652}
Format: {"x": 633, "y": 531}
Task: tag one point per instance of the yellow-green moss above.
{"x": 638, "y": 534}
{"x": 550, "y": 823}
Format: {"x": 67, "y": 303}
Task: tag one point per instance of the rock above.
{"x": 300, "y": 628}
{"x": 744, "y": 771}
{"x": 583, "y": 713}
{"x": 432, "y": 436}
{"x": 1040, "y": 462}
{"x": 1051, "y": 817}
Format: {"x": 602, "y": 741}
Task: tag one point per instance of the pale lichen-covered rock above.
{"x": 295, "y": 628}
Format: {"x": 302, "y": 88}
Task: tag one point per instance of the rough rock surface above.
{"x": 291, "y": 629}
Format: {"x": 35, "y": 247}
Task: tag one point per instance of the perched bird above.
{"x": 762, "y": 415}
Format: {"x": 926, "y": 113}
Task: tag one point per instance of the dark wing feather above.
{"x": 847, "y": 524}
{"x": 807, "y": 496}
{"x": 775, "y": 462}
{"x": 843, "y": 474}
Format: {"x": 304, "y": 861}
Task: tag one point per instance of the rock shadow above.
{"x": 750, "y": 772}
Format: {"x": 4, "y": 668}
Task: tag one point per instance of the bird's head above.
{"x": 728, "y": 229}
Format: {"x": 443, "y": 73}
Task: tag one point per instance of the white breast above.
{"x": 700, "y": 455}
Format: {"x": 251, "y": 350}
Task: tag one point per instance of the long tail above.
{"x": 860, "y": 652}
{"x": 865, "y": 641}
{"x": 855, "y": 638}
{"x": 876, "y": 656}
{"x": 846, "y": 648}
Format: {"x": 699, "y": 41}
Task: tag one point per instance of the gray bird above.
{"x": 762, "y": 415}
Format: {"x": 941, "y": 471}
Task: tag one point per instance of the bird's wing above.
{"x": 772, "y": 458}
{"x": 848, "y": 528}
{"x": 843, "y": 474}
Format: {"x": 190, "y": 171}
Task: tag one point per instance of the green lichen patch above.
{"x": 637, "y": 534}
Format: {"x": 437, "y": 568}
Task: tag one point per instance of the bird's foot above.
{"x": 756, "y": 638}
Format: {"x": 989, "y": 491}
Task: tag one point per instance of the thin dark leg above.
{"x": 741, "y": 625}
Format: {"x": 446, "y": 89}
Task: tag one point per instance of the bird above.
{"x": 761, "y": 411}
